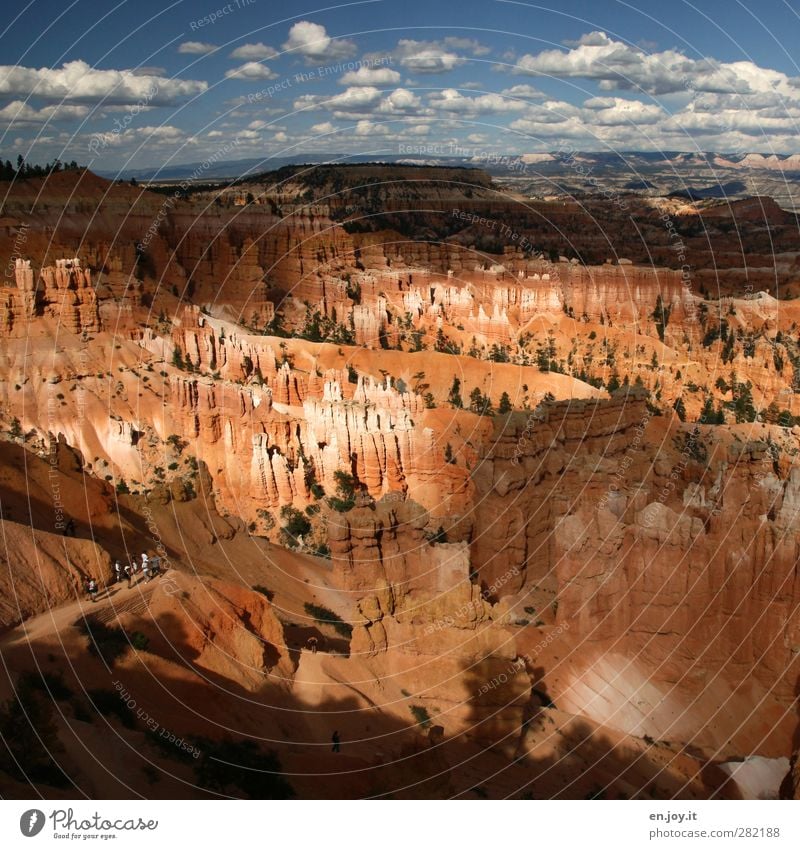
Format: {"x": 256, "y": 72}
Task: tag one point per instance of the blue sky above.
{"x": 140, "y": 84}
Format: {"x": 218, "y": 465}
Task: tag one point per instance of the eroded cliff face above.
{"x": 482, "y": 447}
{"x": 666, "y": 557}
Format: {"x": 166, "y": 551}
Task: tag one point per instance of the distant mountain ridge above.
{"x": 494, "y": 163}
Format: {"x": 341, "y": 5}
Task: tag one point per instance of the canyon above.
{"x": 524, "y": 471}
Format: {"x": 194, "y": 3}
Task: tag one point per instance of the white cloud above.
{"x": 280, "y": 137}
{"x": 426, "y": 57}
{"x": 323, "y": 128}
{"x": 451, "y": 100}
{"x": 399, "y": 101}
{"x": 78, "y": 82}
{"x": 370, "y": 76}
{"x": 17, "y": 113}
{"x": 354, "y": 99}
{"x": 368, "y": 128}
{"x": 254, "y": 51}
{"x": 250, "y": 71}
{"x": 196, "y": 48}
{"x": 164, "y": 132}
{"x": 617, "y": 65}
{"x": 164, "y": 138}
{"x": 524, "y": 91}
{"x": 148, "y": 71}
{"x": 589, "y": 39}
{"x": 470, "y": 44}
{"x": 312, "y": 41}
{"x": 616, "y": 110}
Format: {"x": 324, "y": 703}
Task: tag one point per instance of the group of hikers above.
{"x": 148, "y": 566}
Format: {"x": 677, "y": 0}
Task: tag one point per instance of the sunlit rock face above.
{"x": 478, "y": 459}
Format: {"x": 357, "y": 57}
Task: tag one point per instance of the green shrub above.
{"x": 50, "y": 683}
{"x": 327, "y": 617}
{"x": 110, "y": 703}
{"x": 439, "y": 536}
{"x": 295, "y": 525}
{"x": 421, "y": 715}
{"x": 344, "y": 499}
{"x": 139, "y": 641}
{"x": 109, "y": 644}
{"x": 31, "y": 747}
{"x": 227, "y": 766}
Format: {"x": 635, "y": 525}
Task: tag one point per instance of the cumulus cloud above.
{"x": 616, "y": 64}
{"x": 323, "y": 128}
{"x": 616, "y": 110}
{"x": 18, "y": 113}
{"x": 78, "y": 82}
{"x": 368, "y": 128}
{"x": 312, "y": 41}
{"x": 524, "y": 91}
{"x": 354, "y": 99}
{"x": 451, "y": 100}
{"x": 399, "y": 101}
{"x": 254, "y": 51}
{"x": 163, "y": 135}
{"x": 148, "y": 71}
{"x": 196, "y": 48}
{"x": 469, "y": 44}
{"x": 250, "y": 71}
{"x": 370, "y": 76}
{"x": 588, "y": 39}
{"x": 426, "y": 57}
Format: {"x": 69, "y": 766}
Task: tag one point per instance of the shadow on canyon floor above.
{"x": 107, "y": 746}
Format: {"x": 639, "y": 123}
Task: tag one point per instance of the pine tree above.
{"x": 455, "y": 394}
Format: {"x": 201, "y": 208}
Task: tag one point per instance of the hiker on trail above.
{"x": 117, "y": 571}
{"x": 69, "y": 528}
{"x": 129, "y": 573}
{"x": 155, "y": 566}
{"x": 312, "y": 644}
{"x": 91, "y": 589}
{"x": 336, "y": 740}
{"x": 146, "y": 567}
